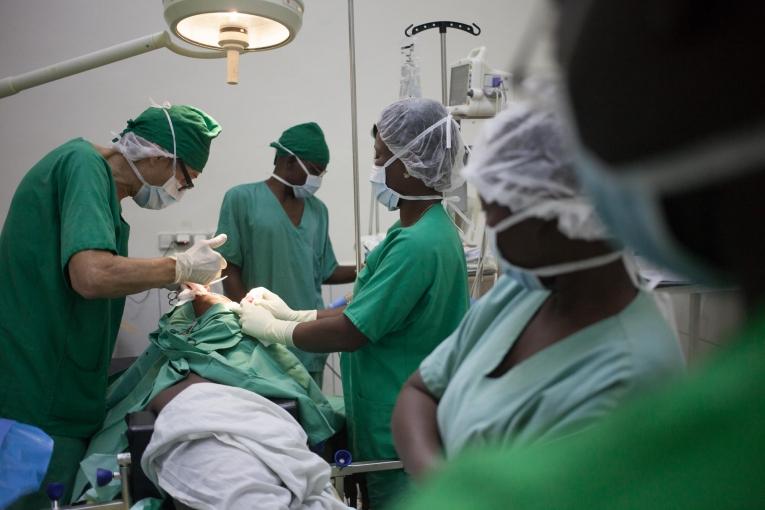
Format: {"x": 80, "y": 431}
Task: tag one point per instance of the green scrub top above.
{"x": 558, "y": 391}
{"x": 214, "y": 347}
{"x": 411, "y": 294}
{"x": 272, "y": 252}
{"x": 55, "y": 344}
{"x": 696, "y": 444}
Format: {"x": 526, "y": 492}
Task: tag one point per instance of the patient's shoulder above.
{"x": 165, "y": 396}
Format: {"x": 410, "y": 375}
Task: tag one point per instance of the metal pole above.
{"x": 124, "y": 475}
{"x": 694, "y": 318}
{"x": 371, "y": 216}
{"x": 377, "y": 216}
{"x": 354, "y": 138}
{"x": 443, "y": 66}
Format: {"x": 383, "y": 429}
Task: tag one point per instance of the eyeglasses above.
{"x": 189, "y": 184}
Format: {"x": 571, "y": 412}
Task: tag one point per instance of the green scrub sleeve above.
{"x": 228, "y": 223}
{"x": 386, "y": 302}
{"x": 87, "y": 219}
{"x": 329, "y": 262}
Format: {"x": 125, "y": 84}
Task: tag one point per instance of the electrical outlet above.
{"x": 181, "y": 240}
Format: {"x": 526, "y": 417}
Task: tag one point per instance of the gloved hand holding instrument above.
{"x": 200, "y": 263}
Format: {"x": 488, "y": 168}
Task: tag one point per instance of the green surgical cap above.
{"x": 194, "y": 130}
{"x": 306, "y": 141}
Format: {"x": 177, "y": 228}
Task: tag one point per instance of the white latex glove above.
{"x": 189, "y": 292}
{"x": 258, "y": 322}
{"x": 276, "y": 305}
{"x": 234, "y": 307}
{"x": 200, "y": 263}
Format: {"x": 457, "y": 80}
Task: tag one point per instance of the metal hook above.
{"x": 442, "y": 27}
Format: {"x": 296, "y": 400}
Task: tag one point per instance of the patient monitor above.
{"x": 477, "y": 91}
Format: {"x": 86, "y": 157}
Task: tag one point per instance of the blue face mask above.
{"x": 386, "y": 196}
{"x": 309, "y": 187}
{"x": 632, "y": 211}
{"x": 531, "y": 278}
{"x": 156, "y": 197}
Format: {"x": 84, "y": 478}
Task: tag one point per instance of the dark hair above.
{"x": 719, "y": 222}
{"x": 680, "y": 71}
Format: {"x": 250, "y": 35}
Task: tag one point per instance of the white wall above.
{"x": 306, "y": 80}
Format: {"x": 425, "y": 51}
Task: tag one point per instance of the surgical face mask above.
{"x": 386, "y": 196}
{"x": 632, "y": 210}
{"x": 381, "y": 191}
{"x": 156, "y": 197}
{"x": 530, "y": 278}
{"x": 309, "y": 187}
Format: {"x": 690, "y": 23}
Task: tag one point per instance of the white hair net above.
{"x": 134, "y": 147}
{"x": 422, "y": 134}
{"x": 521, "y": 161}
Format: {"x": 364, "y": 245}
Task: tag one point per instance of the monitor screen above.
{"x": 459, "y": 84}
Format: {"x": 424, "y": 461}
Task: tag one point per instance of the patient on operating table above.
{"x": 202, "y": 301}
{"x": 210, "y": 386}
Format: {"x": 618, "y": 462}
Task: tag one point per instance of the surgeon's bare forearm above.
{"x": 415, "y": 428}
{"x": 233, "y": 286}
{"x": 331, "y": 334}
{"x": 342, "y": 274}
{"x": 98, "y": 274}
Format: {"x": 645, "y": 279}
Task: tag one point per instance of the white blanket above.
{"x": 217, "y": 447}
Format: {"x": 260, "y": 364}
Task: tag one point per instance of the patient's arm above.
{"x": 165, "y": 396}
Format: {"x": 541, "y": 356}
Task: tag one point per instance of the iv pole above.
{"x": 354, "y": 137}
{"x": 442, "y": 27}
{"x": 475, "y": 30}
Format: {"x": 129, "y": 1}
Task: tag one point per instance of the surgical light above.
{"x": 234, "y": 26}
{"x": 220, "y": 28}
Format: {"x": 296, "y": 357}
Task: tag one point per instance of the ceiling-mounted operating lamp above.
{"x": 223, "y": 28}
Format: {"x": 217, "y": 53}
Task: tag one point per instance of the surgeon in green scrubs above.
{"x": 691, "y": 205}
{"x": 65, "y": 271}
{"x": 278, "y": 231}
{"x": 411, "y": 294}
{"x": 561, "y": 340}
